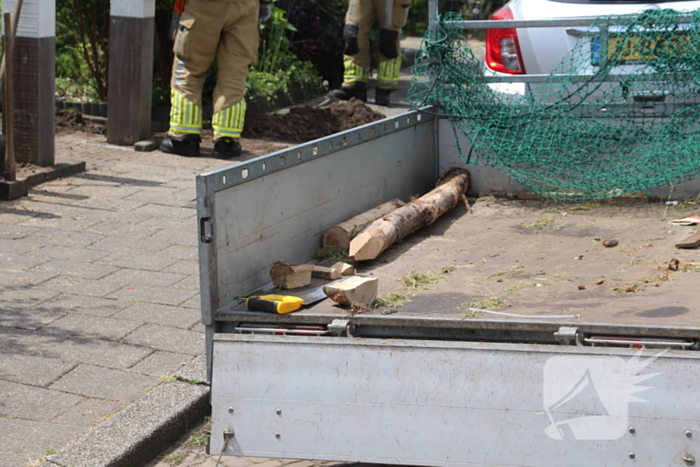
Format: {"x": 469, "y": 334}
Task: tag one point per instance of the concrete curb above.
{"x": 141, "y": 431}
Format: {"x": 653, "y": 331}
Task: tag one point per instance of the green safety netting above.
{"x": 575, "y": 136}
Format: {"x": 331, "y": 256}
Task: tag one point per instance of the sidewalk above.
{"x": 99, "y": 292}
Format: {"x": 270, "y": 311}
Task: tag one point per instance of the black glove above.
{"x": 265, "y": 11}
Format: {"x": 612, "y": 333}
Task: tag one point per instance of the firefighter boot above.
{"x": 187, "y": 145}
{"x": 382, "y": 97}
{"x": 359, "y": 91}
{"x": 226, "y": 148}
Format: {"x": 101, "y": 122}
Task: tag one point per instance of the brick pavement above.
{"x": 99, "y": 291}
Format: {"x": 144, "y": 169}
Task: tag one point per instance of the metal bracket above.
{"x": 206, "y": 229}
{"x": 341, "y": 327}
{"x": 569, "y": 335}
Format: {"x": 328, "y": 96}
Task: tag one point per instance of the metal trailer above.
{"x": 409, "y": 389}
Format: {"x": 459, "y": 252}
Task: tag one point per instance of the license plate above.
{"x": 642, "y": 49}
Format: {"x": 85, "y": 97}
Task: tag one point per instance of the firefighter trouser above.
{"x": 227, "y": 31}
{"x": 391, "y": 16}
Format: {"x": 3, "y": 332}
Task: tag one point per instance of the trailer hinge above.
{"x": 569, "y": 335}
{"x": 341, "y": 327}
{"x": 206, "y": 229}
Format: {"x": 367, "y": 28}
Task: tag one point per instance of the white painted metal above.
{"x": 450, "y": 403}
{"x": 282, "y": 216}
{"x": 133, "y": 8}
{"x": 37, "y": 19}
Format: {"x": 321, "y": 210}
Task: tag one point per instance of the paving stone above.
{"x": 92, "y": 326}
{"x": 76, "y": 268}
{"x": 27, "y": 342}
{"x": 13, "y": 262}
{"x": 190, "y": 268}
{"x": 98, "y": 352}
{"x": 64, "y": 238}
{"x": 89, "y": 412}
{"x": 186, "y": 236}
{"x": 162, "y": 210}
{"x": 32, "y": 403}
{"x": 78, "y": 286}
{"x": 129, "y": 244}
{"x": 27, "y": 318}
{"x": 301, "y": 464}
{"x": 196, "y": 370}
{"x": 181, "y": 252}
{"x": 145, "y": 261}
{"x": 166, "y": 195}
{"x": 269, "y": 463}
{"x": 27, "y": 279}
{"x": 20, "y": 297}
{"x": 105, "y": 383}
{"x": 159, "y": 295}
{"x": 33, "y": 439}
{"x": 146, "y": 146}
{"x": 188, "y": 283}
{"x": 130, "y": 277}
{"x": 194, "y": 302}
{"x": 32, "y": 370}
{"x": 68, "y": 253}
{"x": 160, "y": 363}
{"x": 19, "y": 246}
{"x": 84, "y": 305}
{"x": 160, "y": 314}
{"x": 127, "y": 229}
{"x": 167, "y": 338}
{"x": 14, "y": 459}
{"x": 14, "y": 232}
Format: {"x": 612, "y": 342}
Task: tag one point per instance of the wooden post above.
{"x": 15, "y": 21}
{"x": 130, "y": 70}
{"x": 34, "y": 87}
{"x": 10, "y": 167}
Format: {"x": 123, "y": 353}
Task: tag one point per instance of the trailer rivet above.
{"x": 632, "y": 456}
{"x": 689, "y": 459}
{"x": 277, "y": 435}
{"x": 279, "y": 411}
{"x": 230, "y": 410}
{"x": 688, "y": 434}
{"x": 632, "y": 430}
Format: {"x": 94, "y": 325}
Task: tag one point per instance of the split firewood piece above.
{"x": 290, "y": 276}
{"x": 419, "y": 213}
{"x": 330, "y": 274}
{"x": 690, "y": 242}
{"x": 344, "y": 268}
{"x": 341, "y": 234}
{"x": 356, "y": 290}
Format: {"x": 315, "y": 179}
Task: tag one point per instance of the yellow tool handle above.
{"x": 280, "y": 304}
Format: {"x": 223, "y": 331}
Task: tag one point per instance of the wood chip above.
{"x": 610, "y": 243}
{"x": 581, "y": 287}
{"x": 673, "y": 265}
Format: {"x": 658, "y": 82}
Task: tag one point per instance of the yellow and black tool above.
{"x": 280, "y": 304}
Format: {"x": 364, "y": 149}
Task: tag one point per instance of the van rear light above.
{"x": 502, "y": 47}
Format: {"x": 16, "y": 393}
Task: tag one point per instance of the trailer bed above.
{"x": 542, "y": 258}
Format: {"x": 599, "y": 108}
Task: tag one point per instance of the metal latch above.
{"x": 341, "y": 327}
{"x": 206, "y": 229}
{"x": 569, "y": 335}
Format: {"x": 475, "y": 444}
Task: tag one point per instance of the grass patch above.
{"x": 636, "y": 261}
{"x": 587, "y": 206}
{"x": 332, "y": 254}
{"x": 51, "y": 452}
{"x": 198, "y": 440}
{"x": 488, "y": 303}
{"x": 505, "y": 272}
{"x": 522, "y": 285}
{"x": 542, "y": 223}
{"x": 392, "y": 300}
{"x": 175, "y": 459}
{"x": 472, "y": 314}
{"x": 689, "y": 267}
{"x": 415, "y": 281}
{"x": 167, "y": 379}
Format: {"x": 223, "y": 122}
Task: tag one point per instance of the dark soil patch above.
{"x": 68, "y": 122}
{"x": 306, "y": 123}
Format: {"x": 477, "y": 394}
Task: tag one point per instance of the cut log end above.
{"x": 365, "y": 247}
{"x": 353, "y": 291}
{"x": 336, "y": 236}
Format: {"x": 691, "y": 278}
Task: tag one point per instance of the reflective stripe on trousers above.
{"x": 185, "y": 116}
{"x": 229, "y": 122}
{"x": 388, "y": 72}
{"x": 354, "y": 73}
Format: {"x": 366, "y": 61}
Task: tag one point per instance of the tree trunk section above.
{"x": 419, "y": 213}
{"x": 341, "y": 234}
{"x": 353, "y": 291}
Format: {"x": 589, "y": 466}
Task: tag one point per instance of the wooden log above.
{"x": 341, "y": 234}
{"x": 326, "y": 273}
{"x": 345, "y": 269}
{"x": 290, "y": 276}
{"x": 355, "y": 290}
{"x": 419, "y": 213}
